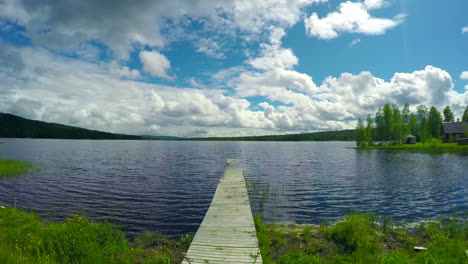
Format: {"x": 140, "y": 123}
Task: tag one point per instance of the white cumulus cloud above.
{"x": 155, "y": 64}
{"x": 126, "y": 26}
{"x": 464, "y": 75}
{"x": 374, "y": 4}
{"x": 351, "y": 17}
{"x": 123, "y": 71}
{"x": 272, "y": 55}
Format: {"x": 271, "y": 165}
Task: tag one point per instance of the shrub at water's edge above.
{"x": 13, "y": 167}
{"x": 364, "y": 239}
{"x": 24, "y": 238}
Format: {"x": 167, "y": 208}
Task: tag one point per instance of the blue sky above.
{"x": 204, "y": 68}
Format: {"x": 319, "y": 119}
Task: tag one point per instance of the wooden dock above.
{"x": 227, "y": 233}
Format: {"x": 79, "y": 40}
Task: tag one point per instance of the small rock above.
{"x": 419, "y": 248}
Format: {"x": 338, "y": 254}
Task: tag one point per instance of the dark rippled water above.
{"x": 167, "y": 186}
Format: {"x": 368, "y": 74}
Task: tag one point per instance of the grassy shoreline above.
{"x": 434, "y": 148}
{"x": 24, "y": 238}
{"x": 364, "y": 239}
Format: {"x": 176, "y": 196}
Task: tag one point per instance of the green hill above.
{"x": 342, "y": 135}
{"x": 12, "y": 126}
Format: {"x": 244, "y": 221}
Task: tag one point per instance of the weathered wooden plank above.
{"x": 227, "y": 233}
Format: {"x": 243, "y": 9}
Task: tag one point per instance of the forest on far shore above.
{"x": 394, "y": 125}
{"x": 12, "y": 126}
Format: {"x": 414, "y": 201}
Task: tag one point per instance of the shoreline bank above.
{"x": 438, "y": 148}
{"x": 357, "y": 238}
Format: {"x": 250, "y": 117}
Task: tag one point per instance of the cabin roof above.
{"x": 455, "y": 127}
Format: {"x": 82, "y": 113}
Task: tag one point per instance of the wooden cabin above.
{"x": 454, "y": 131}
{"x": 410, "y": 139}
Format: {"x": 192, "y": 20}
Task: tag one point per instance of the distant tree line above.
{"x": 341, "y": 135}
{"x": 394, "y": 125}
{"x": 12, "y": 126}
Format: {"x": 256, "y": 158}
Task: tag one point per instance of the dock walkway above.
{"x": 227, "y": 233}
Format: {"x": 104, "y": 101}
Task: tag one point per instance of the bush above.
{"x": 432, "y": 142}
{"x": 357, "y": 233}
{"x": 363, "y": 144}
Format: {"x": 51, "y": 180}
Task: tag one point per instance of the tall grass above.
{"x": 365, "y": 239}
{"x": 24, "y": 238}
{"x": 13, "y": 167}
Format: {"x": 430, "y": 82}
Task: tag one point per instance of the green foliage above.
{"x": 342, "y": 135}
{"x": 406, "y": 121}
{"x": 369, "y": 132}
{"x": 448, "y": 115}
{"x": 465, "y": 114}
{"x": 391, "y": 124}
{"x": 364, "y": 239}
{"x": 396, "y": 257}
{"x": 431, "y": 146}
{"x": 380, "y": 125}
{"x": 14, "y": 167}
{"x": 432, "y": 142}
{"x": 423, "y": 128}
{"x": 388, "y": 122}
{"x": 24, "y": 238}
{"x": 12, "y": 126}
{"x": 76, "y": 241}
{"x": 434, "y": 123}
{"x": 360, "y": 132}
{"x": 413, "y": 124}
{"x": 395, "y": 125}
{"x": 356, "y": 234}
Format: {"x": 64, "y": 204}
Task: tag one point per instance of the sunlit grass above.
{"x": 24, "y": 238}
{"x": 432, "y": 147}
{"x": 364, "y": 239}
{"x": 13, "y": 167}
{"x": 422, "y": 145}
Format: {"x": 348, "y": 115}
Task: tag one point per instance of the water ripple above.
{"x": 167, "y": 186}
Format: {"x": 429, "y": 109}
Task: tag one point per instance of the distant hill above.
{"x": 341, "y": 135}
{"x": 12, "y": 126}
{"x": 164, "y": 137}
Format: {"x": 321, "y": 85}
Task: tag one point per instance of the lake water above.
{"x": 167, "y": 186}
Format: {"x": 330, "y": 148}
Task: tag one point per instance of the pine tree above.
{"x": 379, "y": 125}
{"x": 387, "y": 122}
{"x": 448, "y": 115}
{"x": 413, "y": 124}
{"x": 406, "y": 118}
{"x": 422, "y": 131}
{"x": 434, "y": 122}
{"x": 360, "y": 133}
{"x": 396, "y": 125}
{"x": 369, "y": 130}
{"x": 465, "y": 115}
